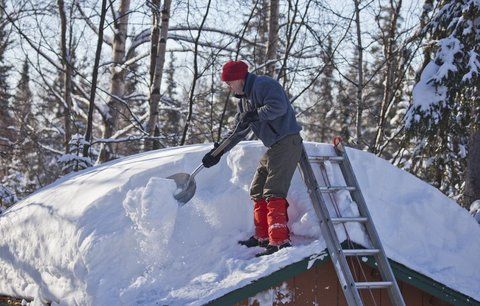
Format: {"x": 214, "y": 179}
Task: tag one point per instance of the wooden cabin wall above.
{"x": 320, "y": 286}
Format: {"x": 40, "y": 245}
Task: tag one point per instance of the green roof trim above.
{"x": 424, "y": 283}
{"x": 401, "y": 272}
{"x": 273, "y": 279}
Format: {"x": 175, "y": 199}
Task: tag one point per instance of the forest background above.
{"x": 83, "y": 82}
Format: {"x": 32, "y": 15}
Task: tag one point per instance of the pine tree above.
{"x": 51, "y": 107}
{"x": 318, "y": 123}
{"x": 23, "y": 101}
{"x": 257, "y": 30}
{"x": 5, "y": 116}
{"x": 137, "y": 102}
{"x": 169, "y": 116}
{"x": 388, "y": 86}
{"x": 345, "y": 110}
{"x": 7, "y": 197}
{"x": 444, "y": 119}
{"x": 4, "y": 68}
{"x": 24, "y": 162}
{"x": 74, "y": 160}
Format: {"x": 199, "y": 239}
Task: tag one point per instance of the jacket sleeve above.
{"x": 236, "y": 138}
{"x": 235, "y": 134}
{"x": 274, "y": 100}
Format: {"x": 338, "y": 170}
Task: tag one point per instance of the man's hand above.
{"x": 209, "y": 160}
{"x": 246, "y": 118}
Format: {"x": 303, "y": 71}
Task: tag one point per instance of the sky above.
{"x": 220, "y": 16}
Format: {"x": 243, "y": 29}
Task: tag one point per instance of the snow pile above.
{"x": 114, "y": 234}
{"x": 475, "y": 210}
{"x": 277, "y": 296}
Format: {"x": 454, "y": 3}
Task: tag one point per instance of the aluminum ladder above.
{"x": 339, "y": 255}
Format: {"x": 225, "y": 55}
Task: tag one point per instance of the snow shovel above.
{"x": 186, "y": 186}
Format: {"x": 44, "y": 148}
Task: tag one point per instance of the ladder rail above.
{"x": 350, "y": 287}
{"x": 385, "y": 269}
{"x": 333, "y": 245}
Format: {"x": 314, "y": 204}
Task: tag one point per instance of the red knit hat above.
{"x": 234, "y": 70}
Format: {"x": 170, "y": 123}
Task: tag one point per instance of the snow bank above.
{"x": 114, "y": 235}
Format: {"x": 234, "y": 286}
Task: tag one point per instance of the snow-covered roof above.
{"x": 114, "y": 234}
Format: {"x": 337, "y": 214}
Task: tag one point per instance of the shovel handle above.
{"x": 222, "y": 146}
{"x": 217, "y": 151}
{"x": 226, "y": 142}
{"x": 214, "y": 153}
{"x": 195, "y": 172}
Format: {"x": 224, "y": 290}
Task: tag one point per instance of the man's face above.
{"x": 236, "y": 86}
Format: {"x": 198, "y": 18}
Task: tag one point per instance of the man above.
{"x": 265, "y": 109}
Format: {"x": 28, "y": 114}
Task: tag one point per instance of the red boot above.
{"x": 260, "y": 219}
{"x": 277, "y": 219}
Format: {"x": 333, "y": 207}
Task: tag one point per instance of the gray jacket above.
{"x": 277, "y": 117}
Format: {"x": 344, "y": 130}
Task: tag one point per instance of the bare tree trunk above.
{"x": 282, "y": 73}
{"x": 157, "y": 74}
{"x": 154, "y": 38}
{"x": 272, "y": 37}
{"x": 117, "y": 85}
{"x": 391, "y": 66}
{"x": 259, "y": 52}
{"x": 360, "y": 81}
{"x": 88, "y": 133}
{"x": 67, "y": 76}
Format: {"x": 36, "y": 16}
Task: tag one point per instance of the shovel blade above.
{"x": 186, "y": 187}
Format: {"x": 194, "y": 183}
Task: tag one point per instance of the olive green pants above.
{"x": 276, "y": 167}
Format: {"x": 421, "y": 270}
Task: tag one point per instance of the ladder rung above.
{"x": 360, "y": 252}
{"x": 349, "y": 219}
{"x": 319, "y": 159}
{"x": 373, "y": 285}
{"x": 335, "y": 188}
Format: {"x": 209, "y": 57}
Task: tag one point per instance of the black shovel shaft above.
{"x": 222, "y": 146}
{"x": 217, "y": 151}
{"x": 226, "y": 142}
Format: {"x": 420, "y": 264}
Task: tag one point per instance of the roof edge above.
{"x": 273, "y": 279}
{"x": 401, "y": 272}
{"x": 425, "y": 283}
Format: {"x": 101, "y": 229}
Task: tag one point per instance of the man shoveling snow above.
{"x": 265, "y": 109}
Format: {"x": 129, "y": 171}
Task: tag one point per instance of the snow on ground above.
{"x": 114, "y": 234}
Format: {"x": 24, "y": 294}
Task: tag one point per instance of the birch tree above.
{"x": 359, "y": 80}
{"x": 273, "y": 27}
{"x": 158, "y": 50}
{"x": 67, "y": 74}
{"x": 116, "y": 107}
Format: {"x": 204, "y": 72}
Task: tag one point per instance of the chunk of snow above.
{"x": 475, "y": 210}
